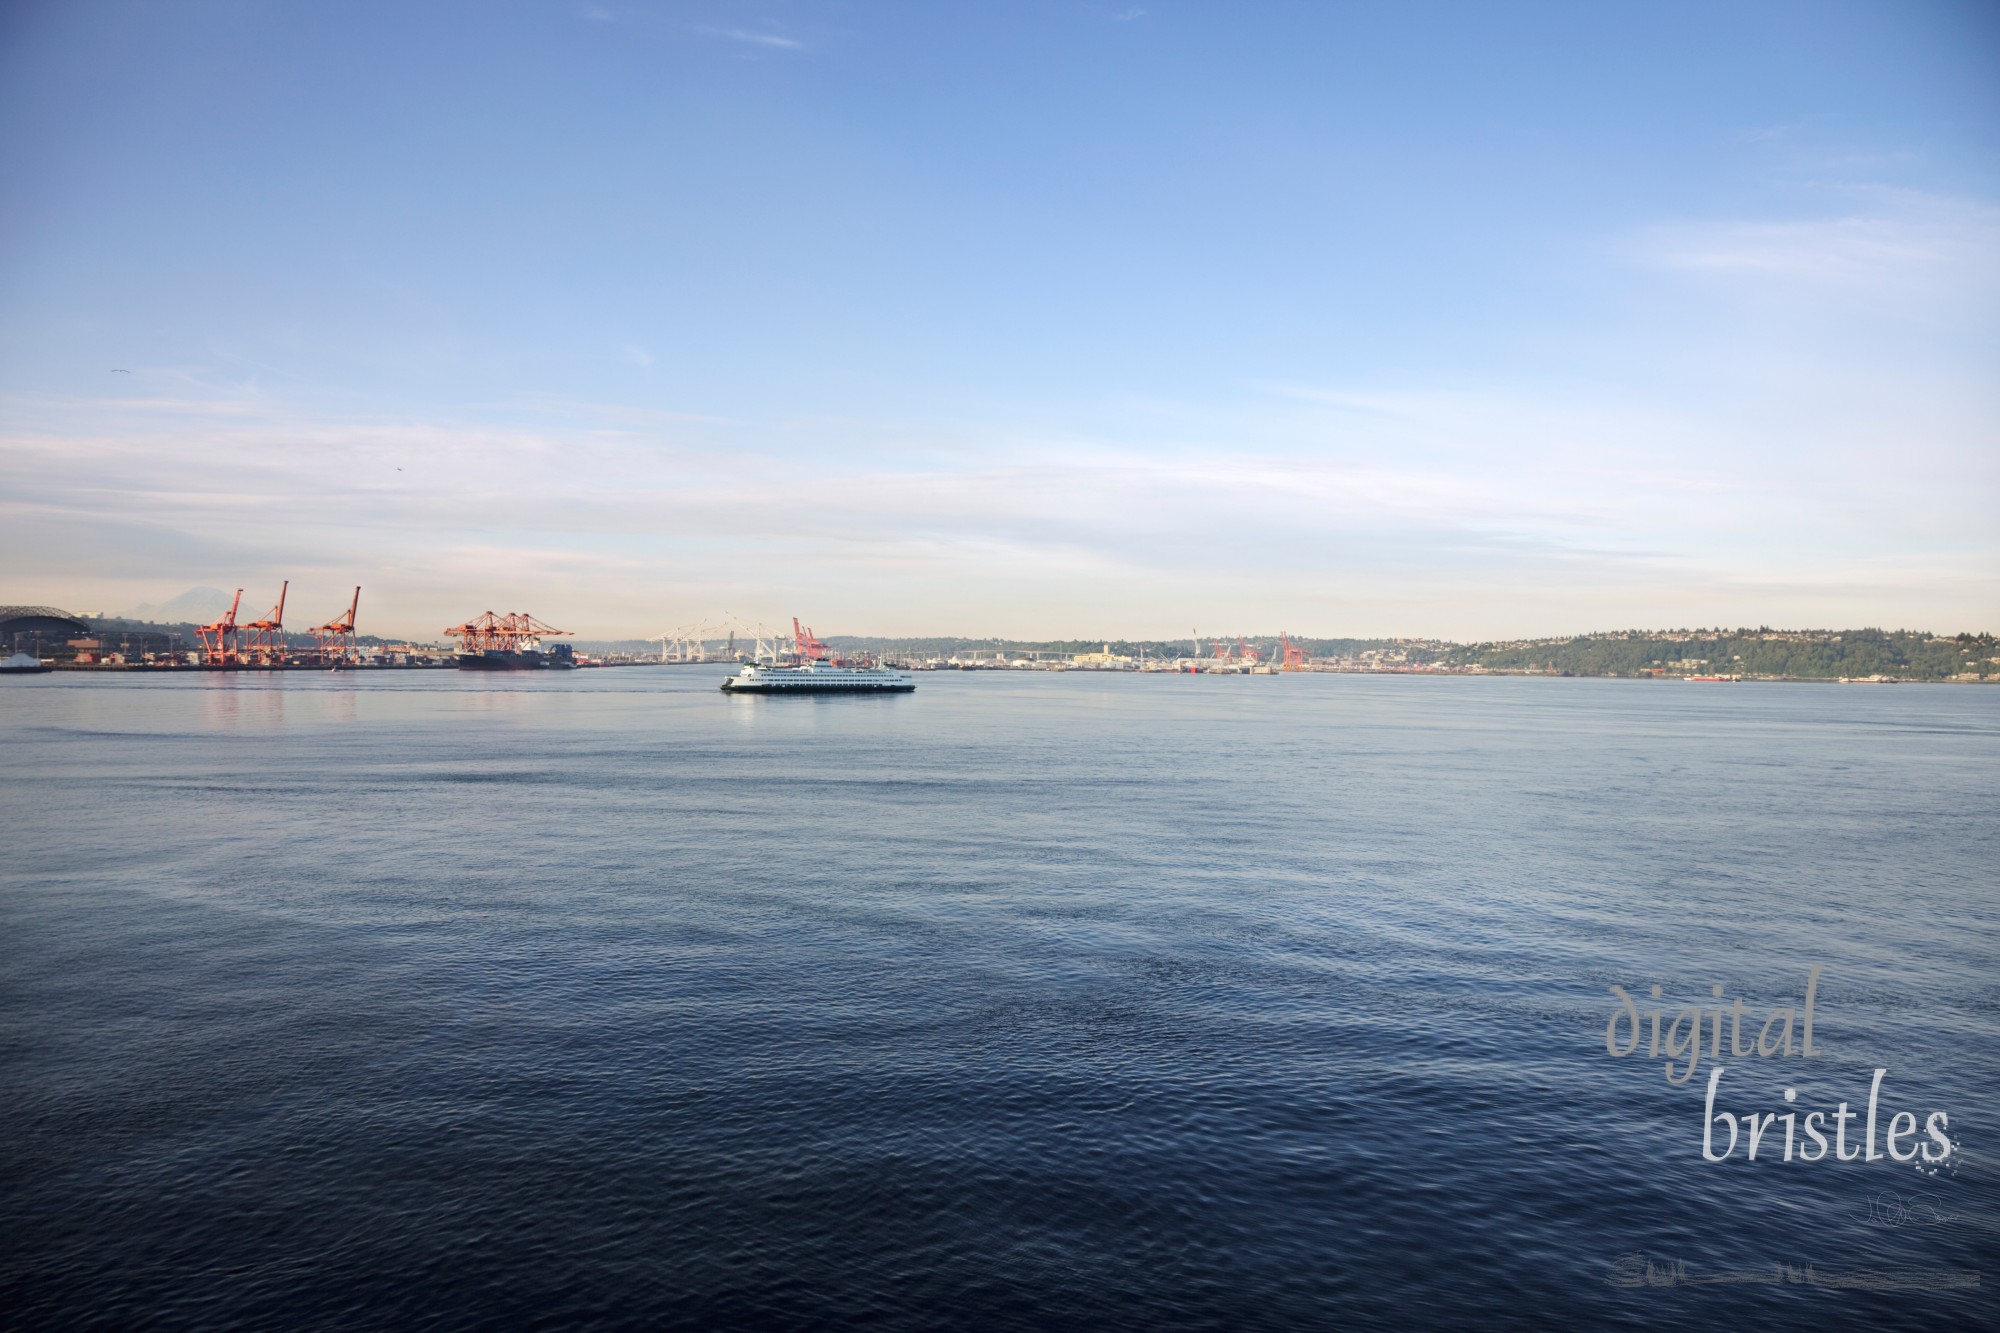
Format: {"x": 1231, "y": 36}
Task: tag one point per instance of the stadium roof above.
{"x": 8, "y": 613}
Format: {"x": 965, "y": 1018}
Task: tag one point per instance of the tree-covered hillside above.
{"x": 1798, "y": 655}
{"x": 1764, "y": 652}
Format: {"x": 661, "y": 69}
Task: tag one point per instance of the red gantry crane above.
{"x": 218, "y": 640}
{"x": 517, "y": 631}
{"x": 809, "y": 648}
{"x": 1295, "y": 656}
{"x": 336, "y": 636}
{"x": 267, "y": 636}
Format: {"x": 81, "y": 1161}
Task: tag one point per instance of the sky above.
{"x": 1043, "y": 319}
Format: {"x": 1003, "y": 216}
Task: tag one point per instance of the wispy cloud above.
{"x": 1365, "y": 510}
{"x": 1895, "y": 241}
{"x": 766, "y": 39}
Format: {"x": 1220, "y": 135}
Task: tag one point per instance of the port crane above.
{"x": 219, "y": 640}
{"x": 809, "y": 648}
{"x": 1295, "y": 656}
{"x": 690, "y": 643}
{"x": 686, "y": 644}
{"x": 336, "y": 636}
{"x": 512, "y": 633}
{"x": 267, "y": 636}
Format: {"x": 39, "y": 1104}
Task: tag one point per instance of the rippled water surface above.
{"x": 1025, "y": 1001}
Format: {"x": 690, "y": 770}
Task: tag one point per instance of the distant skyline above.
{"x": 1041, "y": 320}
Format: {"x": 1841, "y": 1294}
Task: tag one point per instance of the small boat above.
{"x": 20, "y": 664}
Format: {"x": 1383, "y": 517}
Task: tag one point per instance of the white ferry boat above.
{"x": 813, "y": 677}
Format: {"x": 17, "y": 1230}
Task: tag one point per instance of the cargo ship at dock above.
{"x": 558, "y": 658}
{"x": 810, "y": 669}
{"x": 512, "y": 642}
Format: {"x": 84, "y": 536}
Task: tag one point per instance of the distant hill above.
{"x": 1762, "y": 652}
{"x": 196, "y": 606}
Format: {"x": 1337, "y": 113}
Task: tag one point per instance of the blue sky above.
{"x": 1034, "y": 319}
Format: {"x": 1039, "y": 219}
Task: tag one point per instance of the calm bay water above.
{"x": 1025, "y": 1001}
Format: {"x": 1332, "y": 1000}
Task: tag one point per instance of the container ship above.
{"x": 812, "y": 670}
{"x": 557, "y": 657}
{"x": 512, "y": 642}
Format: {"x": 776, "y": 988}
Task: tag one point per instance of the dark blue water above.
{"x": 419, "y": 1000}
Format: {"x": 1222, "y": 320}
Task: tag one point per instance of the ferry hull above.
{"x": 731, "y": 687}
{"x": 817, "y": 679}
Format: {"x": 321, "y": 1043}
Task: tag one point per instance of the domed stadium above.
{"x": 39, "y": 631}
{"x": 52, "y": 634}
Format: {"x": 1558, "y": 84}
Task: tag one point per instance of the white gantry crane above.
{"x": 725, "y": 640}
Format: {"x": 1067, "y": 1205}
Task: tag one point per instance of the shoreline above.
{"x": 182, "y": 669}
